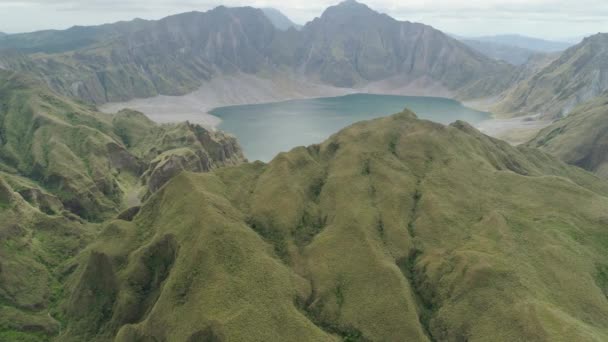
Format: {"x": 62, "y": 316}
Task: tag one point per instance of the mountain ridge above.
{"x": 116, "y": 228}
{"x": 581, "y": 138}
{"x": 525, "y": 42}
{"x": 146, "y": 58}
{"x": 437, "y": 223}
{"x": 280, "y": 20}
{"x": 576, "y": 76}
{"x": 371, "y": 192}
{"x": 66, "y": 168}
{"x": 45, "y": 135}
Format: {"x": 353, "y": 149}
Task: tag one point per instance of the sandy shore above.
{"x": 241, "y": 89}
{"x": 244, "y": 89}
{"x": 516, "y": 130}
{"x": 223, "y": 91}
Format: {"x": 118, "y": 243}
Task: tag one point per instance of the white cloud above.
{"x": 548, "y": 18}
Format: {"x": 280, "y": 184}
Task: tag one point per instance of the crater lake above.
{"x": 264, "y": 130}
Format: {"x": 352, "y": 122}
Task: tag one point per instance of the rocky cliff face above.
{"x": 171, "y": 56}
{"x": 350, "y": 45}
{"x": 578, "y": 75}
{"x": 205, "y": 152}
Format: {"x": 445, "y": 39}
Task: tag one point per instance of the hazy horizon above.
{"x": 535, "y": 18}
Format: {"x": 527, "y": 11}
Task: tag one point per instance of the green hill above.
{"x": 34, "y": 244}
{"x": 64, "y": 165}
{"x": 392, "y": 229}
{"x": 581, "y": 138}
{"x": 89, "y": 160}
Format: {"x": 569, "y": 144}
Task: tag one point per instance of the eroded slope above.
{"x": 392, "y": 229}
{"x": 581, "y": 138}
{"x": 92, "y": 161}
{"x": 64, "y": 165}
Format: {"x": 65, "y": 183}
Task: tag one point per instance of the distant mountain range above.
{"x": 514, "y": 49}
{"x": 280, "y": 20}
{"x": 56, "y": 41}
{"x": 523, "y": 42}
{"x": 510, "y": 54}
{"x": 350, "y": 45}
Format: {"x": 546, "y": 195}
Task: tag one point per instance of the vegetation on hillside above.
{"x": 575, "y": 77}
{"x": 581, "y": 138}
{"x": 115, "y": 228}
{"x": 64, "y": 165}
{"x": 89, "y": 160}
{"x": 393, "y": 228}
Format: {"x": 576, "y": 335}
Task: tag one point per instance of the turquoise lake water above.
{"x": 264, "y": 130}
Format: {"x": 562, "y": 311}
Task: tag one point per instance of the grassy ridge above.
{"x": 33, "y": 247}
{"x": 581, "y": 138}
{"x": 392, "y": 228}
{"x": 62, "y": 166}
{"x": 90, "y": 160}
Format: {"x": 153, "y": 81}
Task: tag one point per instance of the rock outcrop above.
{"x": 577, "y": 76}
{"x": 86, "y": 161}
{"x": 350, "y": 45}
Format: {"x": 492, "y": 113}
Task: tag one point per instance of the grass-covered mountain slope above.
{"x": 581, "y": 138}
{"x": 64, "y": 165}
{"x": 393, "y": 229}
{"x": 350, "y": 45}
{"x": 34, "y": 243}
{"x": 92, "y": 161}
{"x": 577, "y": 76}
{"x": 36, "y": 238}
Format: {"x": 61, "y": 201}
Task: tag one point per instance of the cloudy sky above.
{"x": 542, "y": 18}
